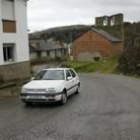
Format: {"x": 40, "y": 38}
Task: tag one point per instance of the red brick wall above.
{"x": 92, "y": 42}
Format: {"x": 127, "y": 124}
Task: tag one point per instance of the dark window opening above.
{"x": 96, "y": 58}
{"x": 48, "y": 53}
{"x": 8, "y": 53}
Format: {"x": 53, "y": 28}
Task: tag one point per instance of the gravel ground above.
{"x": 107, "y": 108}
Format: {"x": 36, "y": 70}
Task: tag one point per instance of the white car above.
{"x": 51, "y": 85}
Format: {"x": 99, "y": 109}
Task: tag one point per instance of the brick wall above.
{"x": 15, "y": 71}
{"x": 91, "y": 44}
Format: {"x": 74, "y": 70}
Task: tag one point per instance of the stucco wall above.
{"x": 20, "y": 38}
{"x": 1, "y": 50}
{"x": 33, "y": 55}
{"x": 20, "y": 67}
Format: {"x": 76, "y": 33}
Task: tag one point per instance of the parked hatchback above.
{"x": 51, "y": 85}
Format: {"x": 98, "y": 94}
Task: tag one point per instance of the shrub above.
{"x": 129, "y": 62}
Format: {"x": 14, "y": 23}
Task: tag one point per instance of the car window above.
{"x": 39, "y": 75}
{"x": 50, "y": 75}
{"x": 72, "y": 73}
{"x": 68, "y": 74}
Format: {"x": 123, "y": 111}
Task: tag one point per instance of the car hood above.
{"x": 43, "y": 84}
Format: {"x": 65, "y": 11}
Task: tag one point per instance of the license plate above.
{"x": 50, "y": 97}
{"x": 35, "y": 97}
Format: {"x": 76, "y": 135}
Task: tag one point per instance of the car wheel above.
{"x": 78, "y": 88}
{"x": 28, "y": 103}
{"x": 64, "y": 98}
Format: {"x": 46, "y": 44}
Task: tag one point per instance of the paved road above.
{"x": 108, "y": 108}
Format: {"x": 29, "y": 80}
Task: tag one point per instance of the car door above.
{"x": 69, "y": 83}
{"x": 74, "y": 80}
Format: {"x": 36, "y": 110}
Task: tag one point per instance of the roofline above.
{"x": 110, "y": 15}
{"x": 82, "y": 34}
{"x": 59, "y": 68}
{"x": 26, "y": 1}
{"x": 92, "y": 29}
{"x": 96, "y": 30}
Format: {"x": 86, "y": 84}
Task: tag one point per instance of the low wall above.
{"x": 15, "y": 71}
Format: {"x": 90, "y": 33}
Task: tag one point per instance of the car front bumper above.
{"x": 25, "y": 97}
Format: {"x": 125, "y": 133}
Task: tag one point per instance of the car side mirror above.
{"x": 32, "y": 78}
{"x": 69, "y": 78}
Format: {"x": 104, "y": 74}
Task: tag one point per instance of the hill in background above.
{"x": 64, "y": 34}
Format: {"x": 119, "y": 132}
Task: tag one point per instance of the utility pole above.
{"x": 70, "y": 48}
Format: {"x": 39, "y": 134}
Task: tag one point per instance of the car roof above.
{"x": 57, "y": 69}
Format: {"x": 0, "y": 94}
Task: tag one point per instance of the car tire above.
{"x": 78, "y": 88}
{"x": 64, "y": 98}
{"x": 28, "y": 103}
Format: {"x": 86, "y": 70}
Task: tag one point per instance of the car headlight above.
{"x": 24, "y": 90}
{"x": 50, "y": 90}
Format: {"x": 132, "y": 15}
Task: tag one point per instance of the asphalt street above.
{"x": 107, "y": 108}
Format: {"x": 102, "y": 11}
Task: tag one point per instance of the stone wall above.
{"x": 116, "y": 29}
{"x": 111, "y": 20}
{"x": 15, "y": 71}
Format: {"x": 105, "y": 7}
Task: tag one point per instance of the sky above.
{"x": 45, "y": 14}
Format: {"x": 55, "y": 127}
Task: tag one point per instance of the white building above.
{"x": 14, "y": 49}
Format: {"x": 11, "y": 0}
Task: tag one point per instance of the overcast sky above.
{"x": 44, "y": 14}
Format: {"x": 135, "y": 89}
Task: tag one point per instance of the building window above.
{"x": 112, "y": 21}
{"x": 9, "y": 26}
{"x": 105, "y": 21}
{"x": 48, "y": 53}
{"x": 8, "y": 16}
{"x": 8, "y": 10}
{"x": 8, "y": 52}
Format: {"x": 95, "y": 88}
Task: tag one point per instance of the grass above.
{"x": 103, "y": 66}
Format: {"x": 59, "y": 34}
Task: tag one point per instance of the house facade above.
{"x": 14, "y": 48}
{"x": 50, "y": 49}
{"x": 96, "y": 44}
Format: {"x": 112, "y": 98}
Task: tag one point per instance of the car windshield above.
{"x": 50, "y": 75}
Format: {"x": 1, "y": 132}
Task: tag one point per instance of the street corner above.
{"x": 9, "y": 92}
